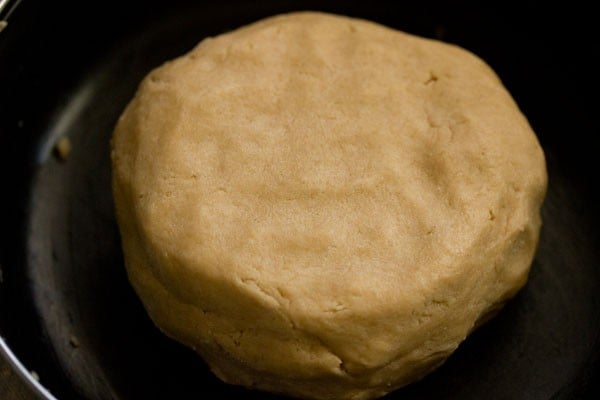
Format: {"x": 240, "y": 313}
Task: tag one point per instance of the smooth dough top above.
{"x": 323, "y": 206}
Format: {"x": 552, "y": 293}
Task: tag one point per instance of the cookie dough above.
{"x": 325, "y": 207}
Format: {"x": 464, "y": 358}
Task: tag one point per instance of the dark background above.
{"x": 68, "y": 68}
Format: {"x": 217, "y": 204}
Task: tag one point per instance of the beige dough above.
{"x": 325, "y": 207}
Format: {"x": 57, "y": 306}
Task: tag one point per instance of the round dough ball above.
{"x": 325, "y": 207}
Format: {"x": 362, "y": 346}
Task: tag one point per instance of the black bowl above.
{"x": 66, "y": 309}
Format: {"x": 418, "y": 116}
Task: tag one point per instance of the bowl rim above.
{"x": 23, "y": 373}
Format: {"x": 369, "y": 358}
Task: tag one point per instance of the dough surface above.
{"x": 325, "y": 207}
